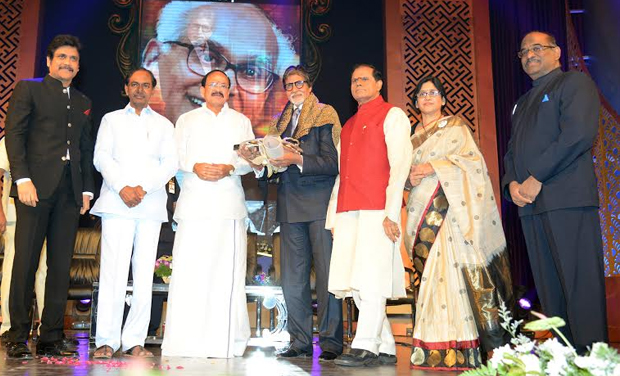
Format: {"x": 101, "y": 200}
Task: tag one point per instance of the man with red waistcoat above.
{"x": 364, "y": 214}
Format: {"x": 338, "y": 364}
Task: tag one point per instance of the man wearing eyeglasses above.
{"x": 549, "y": 175}
{"x": 136, "y": 155}
{"x": 195, "y": 37}
{"x": 364, "y": 214}
{"x": 207, "y": 312}
{"x": 304, "y": 189}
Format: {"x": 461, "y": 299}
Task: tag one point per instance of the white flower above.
{"x": 596, "y": 367}
{"x": 498, "y": 356}
{"x": 617, "y": 370}
{"x": 532, "y": 363}
{"x": 556, "y": 349}
{"x": 557, "y": 367}
{"x": 525, "y": 348}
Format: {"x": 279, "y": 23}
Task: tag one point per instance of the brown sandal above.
{"x": 103, "y": 352}
{"x": 138, "y": 351}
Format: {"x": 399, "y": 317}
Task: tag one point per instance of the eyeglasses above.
{"x": 536, "y": 49}
{"x": 298, "y": 84}
{"x": 221, "y": 85}
{"x": 253, "y": 76}
{"x": 431, "y": 93}
{"x": 354, "y": 81}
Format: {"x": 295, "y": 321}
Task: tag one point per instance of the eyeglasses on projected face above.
{"x": 252, "y": 76}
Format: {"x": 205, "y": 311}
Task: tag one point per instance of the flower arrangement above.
{"x": 163, "y": 268}
{"x": 262, "y": 279}
{"x": 524, "y": 356}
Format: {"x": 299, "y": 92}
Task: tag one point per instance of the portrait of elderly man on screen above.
{"x": 193, "y": 38}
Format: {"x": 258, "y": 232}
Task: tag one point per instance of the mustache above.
{"x": 67, "y": 67}
{"x": 533, "y": 59}
{"x": 217, "y": 94}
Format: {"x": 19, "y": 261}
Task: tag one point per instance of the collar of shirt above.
{"x": 547, "y": 77}
{"x": 298, "y": 107}
{"x": 222, "y": 111}
{"x": 130, "y": 110}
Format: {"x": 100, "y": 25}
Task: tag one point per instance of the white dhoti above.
{"x": 207, "y": 312}
{"x": 118, "y": 237}
{"x": 367, "y": 265}
{"x": 7, "y": 271}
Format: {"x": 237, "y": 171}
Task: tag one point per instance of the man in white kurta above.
{"x": 364, "y": 213}
{"x": 7, "y": 230}
{"x": 207, "y": 313}
{"x": 136, "y": 156}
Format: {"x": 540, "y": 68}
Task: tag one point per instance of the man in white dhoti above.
{"x": 207, "y": 314}
{"x": 364, "y": 213}
{"x": 135, "y": 153}
{"x": 7, "y": 231}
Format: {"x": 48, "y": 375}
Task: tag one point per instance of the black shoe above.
{"x": 293, "y": 353}
{"x": 387, "y": 359}
{"x": 18, "y": 350}
{"x": 56, "y": 349}
{"x": 358, "y": 358}
{"x": 328, "y": 355}
{"x": 5, "y": 337}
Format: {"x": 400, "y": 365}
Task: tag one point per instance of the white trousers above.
{"x": 7, "y": 271}
{"x": 373, "y": 331}
{"x": 118, "y": 236}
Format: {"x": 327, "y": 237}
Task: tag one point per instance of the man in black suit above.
{"x": 549, "y": 174}
{"x": 50, "y": 149}
{"x": 304, "y": 189}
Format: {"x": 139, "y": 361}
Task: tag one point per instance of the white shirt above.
{"x": 204, "y": 137}
{"x": 134, "y": 150}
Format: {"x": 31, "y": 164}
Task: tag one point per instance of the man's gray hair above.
{"x": 170, "y": 29}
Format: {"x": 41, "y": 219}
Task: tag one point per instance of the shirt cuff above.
{"x": 22, "y": 180}
{"x": 89, "y": 194}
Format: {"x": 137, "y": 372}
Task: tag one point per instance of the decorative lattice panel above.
{"x": 10, "y": 21}
{"x": 438, "y": 41}
{"x": 606, "y": 163}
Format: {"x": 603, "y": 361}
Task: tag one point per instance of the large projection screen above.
{"x": 254, "y": 42}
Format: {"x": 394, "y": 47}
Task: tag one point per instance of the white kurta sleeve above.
{"x": 330, "y": 219}
{"x": 103, "y": 158}
{"x": 181, "y": 137}
{"x": 4, "y": 157}
{"x": 168, "y": 162}
{"x": 241, "y": 166}
{"x": 397, "y": 130}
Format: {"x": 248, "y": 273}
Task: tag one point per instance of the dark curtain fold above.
{"x": 510, "y": 21}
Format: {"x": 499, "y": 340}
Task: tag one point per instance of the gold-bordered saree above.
{"x": 457, "y": 245}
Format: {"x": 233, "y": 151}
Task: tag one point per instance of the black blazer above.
{"x": 304, "y": 196}
{"x": 554, "y": 127}
{"x": 42, "y": 123}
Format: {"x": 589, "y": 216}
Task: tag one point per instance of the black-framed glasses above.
{"x": 536, "y": 49}
{"x": 298, "y": 84}
{"x": 254, "y": 76}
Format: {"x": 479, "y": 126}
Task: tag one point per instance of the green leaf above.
{"x": 545, "y": 324}
{"x": 482, "y": 371}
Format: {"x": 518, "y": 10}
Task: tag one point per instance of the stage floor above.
{"x": 256, "y": 361}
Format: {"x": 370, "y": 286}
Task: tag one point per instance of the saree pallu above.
{"x": 458, "y": 248}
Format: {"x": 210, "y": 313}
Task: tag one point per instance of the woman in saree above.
{"x": 455, "y": 238}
